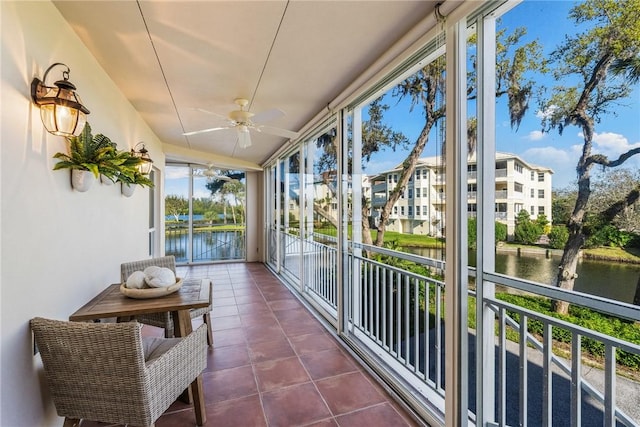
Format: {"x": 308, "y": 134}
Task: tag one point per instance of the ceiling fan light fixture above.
{"x": 244, "y": 137}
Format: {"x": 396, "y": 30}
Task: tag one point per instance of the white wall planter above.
{"x": 128, "y": 189}
{"x": 105, "y": 180}
{"x": 81, "y": 180}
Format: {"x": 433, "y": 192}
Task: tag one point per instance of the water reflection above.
{"x": 611, "y": 280}
{"x": 206, "y": 245}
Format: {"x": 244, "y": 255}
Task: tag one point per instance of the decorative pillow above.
{"x": 159, "y": 277}
{"x": 136, "y": 280}
{"x": 155, "y": 347}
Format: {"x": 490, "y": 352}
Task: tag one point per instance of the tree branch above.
{"x": 631, "y": 197}
{"x": 600, "y": 159}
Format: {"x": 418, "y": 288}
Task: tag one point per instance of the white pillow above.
{"x": 136, "y": 280}
{"x": 159, "y": 277}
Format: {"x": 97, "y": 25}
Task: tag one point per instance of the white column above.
{"x": 456, "y": 274}
{"x": 485, "y": 238}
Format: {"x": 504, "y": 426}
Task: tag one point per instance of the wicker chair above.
{"x": 165, "y": 320}
{"x": 100, "y": 372}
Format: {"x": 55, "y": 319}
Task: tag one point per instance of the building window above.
{"x": 395, "y": 210}
{"x": 540, "y": 176}
{"x": 417, "y": 210}
{"x": 533, "y": 174}
{"x": 517, "y": 167}
{"x": 533, "y": 193}
{"x": 517, "y": 187}
{"x": 540, "y": 210}
{"x": 424, "y": 210}
{"x": 389, "y": 179}
{"x": 417, "y": 175}
{"x": 540, "y": 194}
{"x": 532, "y": 211}
{"x": 411, "y": 193}
{"x": 410, "y": 210}
{"x": 395, "y": 177}
{"x": 517, "y": 207}
{"x": 402, "y": 210}
{"x": 424, "y": 173}
{"x": 472, "y": 207}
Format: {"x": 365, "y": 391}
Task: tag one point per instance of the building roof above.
{"x": 438, "y": 162}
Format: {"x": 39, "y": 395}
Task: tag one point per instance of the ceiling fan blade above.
{"x": 277, "y": 131}
{"x": 196, "y": 132}
{"x": 267, "y": 115}
{"x": 244, "y": 137}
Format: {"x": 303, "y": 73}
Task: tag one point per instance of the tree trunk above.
{"x": 318, "y": 209}
{"x": 569, "y": 261}
{"x": 366, "y": 231}
{"x": 409, "y": 165}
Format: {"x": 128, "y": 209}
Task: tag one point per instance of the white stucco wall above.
{"x": 58, "y": 247}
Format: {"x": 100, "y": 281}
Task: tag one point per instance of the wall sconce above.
{"x": 143, "y": 154}
{"x": 61, "y": 110}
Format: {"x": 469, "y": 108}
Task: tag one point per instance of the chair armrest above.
{"x": 171, "y": 373}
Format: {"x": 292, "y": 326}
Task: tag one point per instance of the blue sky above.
{"x": 546, "y": 21}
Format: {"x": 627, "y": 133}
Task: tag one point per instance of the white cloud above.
{"x": 535, "y": 135}
{"x": 613, "y": 143}
{"x": 173, "y": 172}
{"x": 546, "y": 113}
{"x": 561, "y": 161}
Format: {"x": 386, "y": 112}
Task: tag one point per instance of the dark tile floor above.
{"x": 273, "y": 364}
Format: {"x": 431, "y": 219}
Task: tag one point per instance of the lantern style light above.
{"x": 143, "y": 154}
{"x": 61, "y": 109}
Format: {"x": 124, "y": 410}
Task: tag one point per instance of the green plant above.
{"x": 87, "y": 152}
{"x": 526, "y": 231}
{"x": 131, "y": 175}
{"x": 118, "y": 162}
{"x": 558, "y": 236}
{"x": 99, "y": 155}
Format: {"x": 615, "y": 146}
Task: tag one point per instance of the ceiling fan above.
{"x": 244, "y": 121}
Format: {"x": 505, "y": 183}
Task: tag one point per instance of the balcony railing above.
{"x": 207, "y": 244}
{"x": 397, "y": 315}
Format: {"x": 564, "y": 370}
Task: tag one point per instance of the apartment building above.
{"x": 420, "y": 210}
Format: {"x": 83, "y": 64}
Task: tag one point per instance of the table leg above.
{"x": 182, "y": 327}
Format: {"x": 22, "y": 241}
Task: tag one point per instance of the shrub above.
{"x": 501, "y": 232}
{"x": 558, "y": 236}
{"x": 527, "y": 232}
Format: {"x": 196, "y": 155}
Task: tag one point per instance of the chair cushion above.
{"x": 154, "y": 347}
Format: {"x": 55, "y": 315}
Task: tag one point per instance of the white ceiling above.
{"x": 172, "y": 58}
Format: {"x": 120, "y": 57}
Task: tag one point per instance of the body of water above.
{"x": 607, "y": 279}
{"x": 206, "y": 245}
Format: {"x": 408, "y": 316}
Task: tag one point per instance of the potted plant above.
{"x": 88, "y": 156}
{"x": 130, "y": 176}
{"x": 115, "y": 163}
